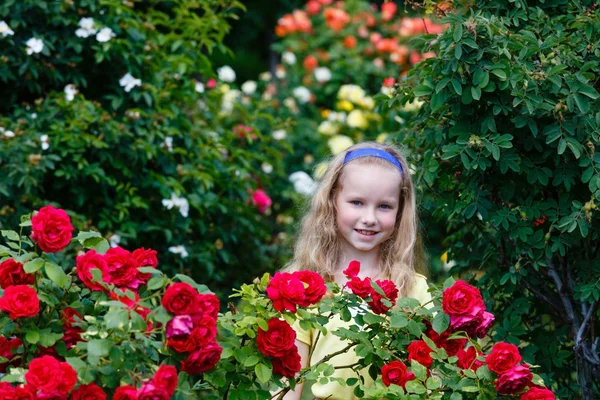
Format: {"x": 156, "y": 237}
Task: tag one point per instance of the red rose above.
{"x": 288, "y": 364}
{"x": 360, "y": 287}
{"x": 52, "y": 395}
{"x": 391, "y": 292}
{"x": 7, "y": 391}
{"x": 72, "y": 333}
{"x": 84, "y": 266}
{"x": 452, "y": 346}
{"x": 20, "y": 301}
{"x": 180, "y": 299}
{"x": 152, "y": 392}
{"x": 353, "y": 269}
{"x": 514, "y": 380}
{"x": 145, "y": 258}
{"x": 25, "y": 392}
{"x": 388, "y": 9}
{"x": 7, "y": 350}
{"x": 44, "y": 373}
{"x": 277, "y": 340}
{"x": 462, "y": 298}
{"x": 68, "y": 378}
{"x": 88, "y": 392}
{"x": 467, "y": 359}
{"x": 420, "y": 352}
{"x": 182, "y": 344}
{"x": 204, "y": 331}
{"x": 12, "y": 273}
{"x": 503, "y": 357}
{"x": 396, "y": 373}
{"x": 208, "y": 304}
{"x": 126, "y": 392}
{"x": 203, "y": 359}
{"x": 52, "y": 229}
{"x": 316, "y": 288}
{"x": 122, "y": 268}
{"x": 536, "y": 393}
{"x": 285, "y": 291}
{"x": 166, "y": 377}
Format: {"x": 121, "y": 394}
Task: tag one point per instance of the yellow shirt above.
{"x": 330, "y": 343}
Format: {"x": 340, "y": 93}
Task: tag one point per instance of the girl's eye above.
{"x": 385, "y": 207}
{"x": 355, "y": 202}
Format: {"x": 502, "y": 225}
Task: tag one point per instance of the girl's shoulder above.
{"x": 420, "y": 289}
{"x": 419, "y": 276}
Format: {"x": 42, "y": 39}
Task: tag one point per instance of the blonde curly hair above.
{"x": 318, "y": 246}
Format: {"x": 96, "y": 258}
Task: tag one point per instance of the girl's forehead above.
{"x": 371, "y": 178}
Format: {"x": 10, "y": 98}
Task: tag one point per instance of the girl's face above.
{"x": 367, "y": 205}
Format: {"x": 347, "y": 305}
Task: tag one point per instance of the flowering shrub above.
{"x": 115, "y": 114}
{"x": 116, "y": 327}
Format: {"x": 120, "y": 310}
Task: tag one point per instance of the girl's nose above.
{"x": 368, "y": 217}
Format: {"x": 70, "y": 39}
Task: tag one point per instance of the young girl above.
{"x": 364, "y": 209}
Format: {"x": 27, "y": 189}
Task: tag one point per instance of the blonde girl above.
{"x": 364, "y": 209}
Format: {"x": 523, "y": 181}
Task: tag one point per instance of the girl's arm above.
{"x": 303, "y": 350}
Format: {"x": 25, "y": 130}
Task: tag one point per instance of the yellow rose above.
{"x": 356, "y": 119}
{"x": 367, "y": 102}
{"x": 381, "y": 138}
{"x": 414, "y": 106}
{"x": 444, "y": 257}
{"x": 320, "y": 170}
{"x": 224, "y": 88}
{"x": 344, "y": 105}
{"x": 339, "y": 143}
{"x": 328, "y": 128}
{"x": 325, "y": 113}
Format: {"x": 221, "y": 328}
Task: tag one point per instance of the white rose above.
{"x": 34, "y": 45}
{"x": 179, "y": 250}
{"x": 45, "y": 142}
{"x": 226, "y": 74}
{"x": 5, "y": 29}
{"x": 279, "y": 134}
{"x": 249, "y": 87}
{"x": 70, "y": 92}
{"x": 267, "y": 168}
{"x": 322, "y": 74}
{"x": 302, "y": 94}
{"x": 129, "y": 82}
{"x": 288, "y": 57}
{"x": 199, "y": 87}
{"x": 105, "y": 35}
{"x": 265, "y": 76}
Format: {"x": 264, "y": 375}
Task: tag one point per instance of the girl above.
{"x": 364, "y": 210}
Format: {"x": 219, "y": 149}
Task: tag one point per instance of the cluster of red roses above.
{"x": 20, "y": 300}
{"x": 464, "y": 304}
{"x": 363, "y": 289}
{"x": 278, "y": 342}
{"x": 513, "y": 377}
{"x": 300, "y": 288}
{"x": 193, "y": 328}
{"x": 161, "y": 387}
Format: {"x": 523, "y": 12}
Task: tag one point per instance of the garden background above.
{"x": 198, "y": 129}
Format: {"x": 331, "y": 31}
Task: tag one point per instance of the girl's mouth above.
{"x": 367, "y": 233}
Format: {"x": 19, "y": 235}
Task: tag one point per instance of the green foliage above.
{"x": 114, "y": 154}
{"x": 508, "y": 144}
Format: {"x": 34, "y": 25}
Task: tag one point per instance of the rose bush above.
{"x": 142, "y": 335}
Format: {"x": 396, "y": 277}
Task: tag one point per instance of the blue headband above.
{"x": 372, "y": 152}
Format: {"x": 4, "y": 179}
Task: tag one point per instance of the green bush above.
{"x": 75, "y": 133}
{"x": 508, "y": 139}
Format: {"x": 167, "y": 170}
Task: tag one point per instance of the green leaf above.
{"x": 440, "y": 322}
{"x": 398, "y": 321}
{"x": 56, "y": 274}
{"x": 499, "y": 73}
{"x": 589, "y": 92}
{"x": 476, "y": 92}
{"x": 457, "y": 86}
{"x": 456, "y": 396}
{"x": 582, "y": 103}
{"x": 10, "y": 235}
{"x": 419, "y": 370}
{"x": 32, "y": 337}
{"x": 415, "y": 386}
{"x": 423, "y": 90}
{"x": 458, "y": 32}
{"x": 33, "y": 265}
{"x": 99, "y": 347}
{"x": 433, "y": 383}
{"x": 458, "y": 52}
{"x": 263, "y": 373}
{"x": 251, "y": 361}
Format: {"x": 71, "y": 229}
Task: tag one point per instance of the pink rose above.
{"x": 180, "y": 325}
{"x": 486, "y": 323}
{"x": 261, "y": 200}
